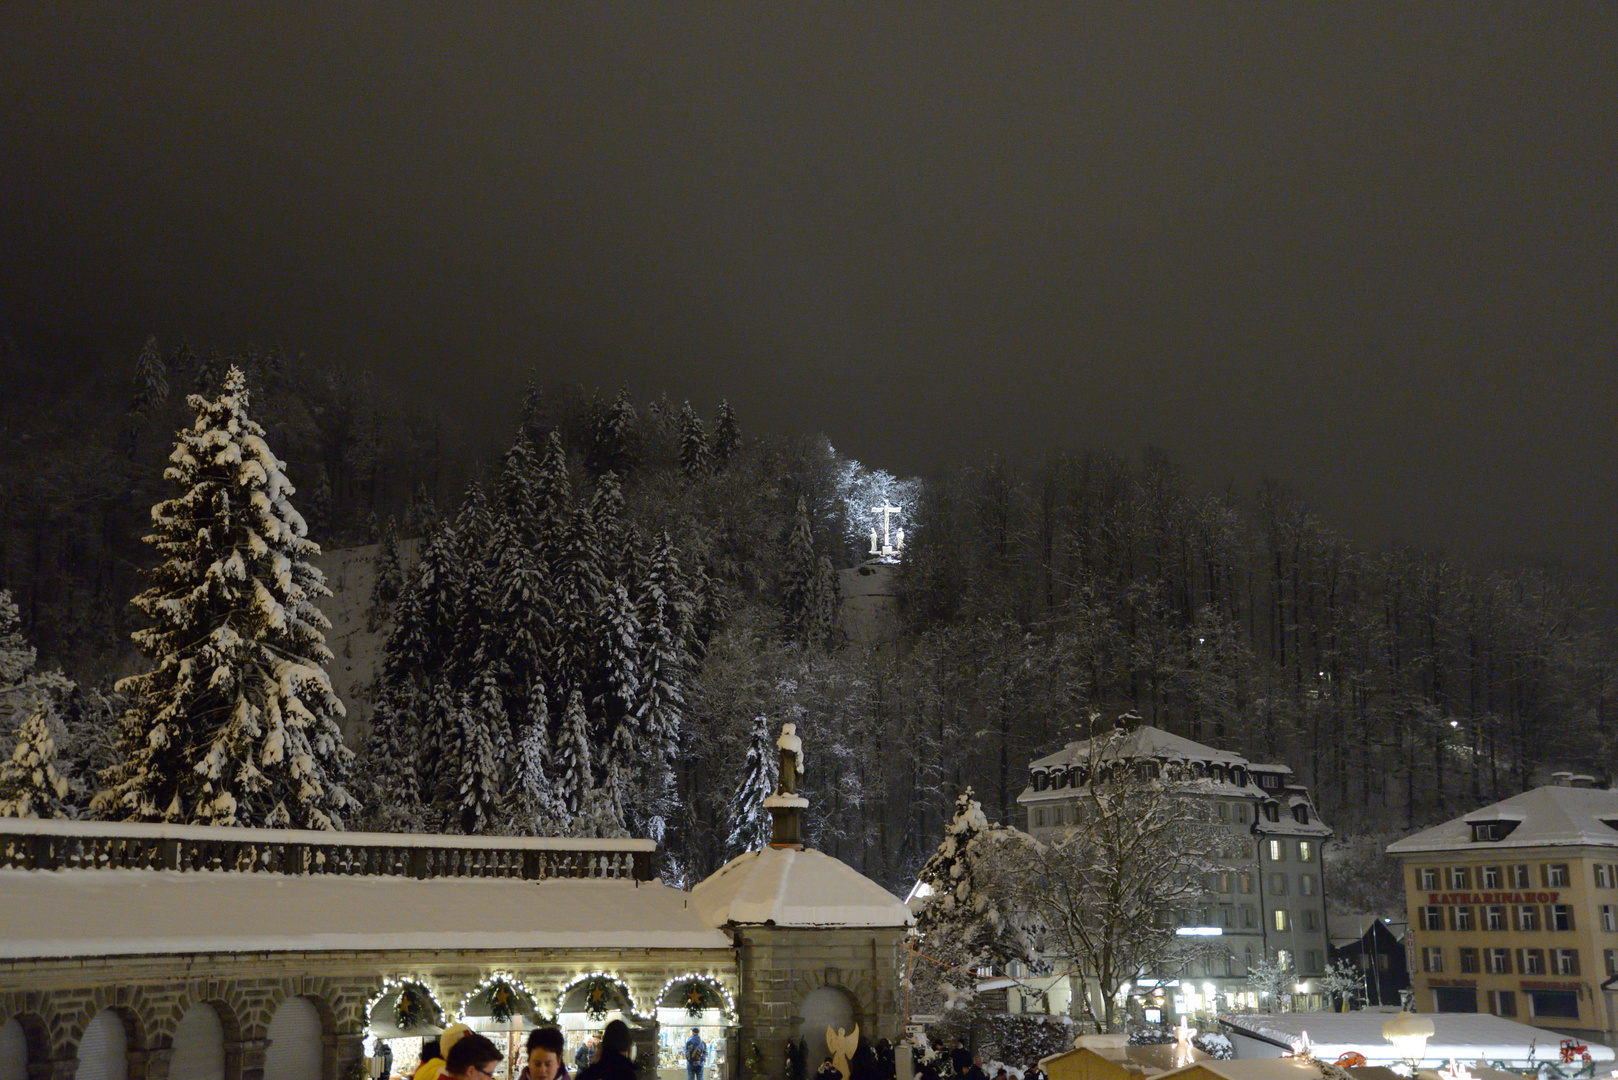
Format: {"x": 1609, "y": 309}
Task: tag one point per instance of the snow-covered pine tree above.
{"x": 31, "y": 785}
{"x": 694, "y": 460}
{"x": 540, "y": 811}
{"x": 553, "y": 494}
{"x": 660, "y": 712}
{"x": 519, "y": 476}
{"x": 479, "y": 769}
{"x": 388, "y": 765}
{"x": 727, "y": 436}
{"x": 611, "y": 531}
{"x": 24, "y": 689}
{"x": 749, "y": 822}
{"x": 576, "y": 771}
{"x": 151, "y": 383}
{"x": 389, "y": 581}
{"x": 235, "y": 724}
{"x": 962, "y": 922}
{"x": 801, "y": 603}
{"x": 828, "y": 609}
{"x": 423, "y": 625}
{"x": 580, "y": 586}
{"x": 490, "y": 701}
{"x": 617, "y": 662}
{"x": 523, "y": 612}
{"x": 614, "y": 438}
{"x": 479, "y": 534}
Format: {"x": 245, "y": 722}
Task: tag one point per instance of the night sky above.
{"x": 1364, "y": 248}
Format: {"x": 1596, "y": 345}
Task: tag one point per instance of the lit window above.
{"x": 1305, "y": 850}
{"x": 1275, "y": 851}
{"x": 1280, "y": 918}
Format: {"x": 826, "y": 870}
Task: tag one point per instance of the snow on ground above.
{"x": 357, "y": 650}
{"x": 46, "y": 913}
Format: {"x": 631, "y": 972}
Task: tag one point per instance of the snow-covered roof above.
{"x": 1144, "y": 742}
{"x": 1250, "y": 1069}
{"x": 55, "y": 913}
{"x": 789, "y": 887}
{"x": 1465, "y": 1036}
{"x": 1547, "y": 816}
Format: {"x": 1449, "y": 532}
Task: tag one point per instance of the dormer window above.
{"x": 1300, "y": 814}
{"x": 1268, "y": 780}
{"x": 1484, "y": 831}
{"x": 1272, "y": 812}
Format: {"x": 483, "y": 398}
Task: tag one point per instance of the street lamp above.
{"x": 1409, "y": 1034}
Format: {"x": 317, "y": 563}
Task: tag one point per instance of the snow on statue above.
{"x": 235, "y": 723}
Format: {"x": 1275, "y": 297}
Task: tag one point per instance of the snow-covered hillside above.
{"x": 351, "y": 575}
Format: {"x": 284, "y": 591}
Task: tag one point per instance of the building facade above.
{"x": 1269, "y": 905}
{"x": 1514, "y": 910}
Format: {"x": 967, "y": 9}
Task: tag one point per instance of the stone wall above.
{"x": 55, "y": 1000}
{"x": 780, "y": 968}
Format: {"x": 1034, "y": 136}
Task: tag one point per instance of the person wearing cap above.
{"x": 432, "y": 1070}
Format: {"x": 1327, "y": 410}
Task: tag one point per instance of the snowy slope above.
{"x": 351, "y": 574}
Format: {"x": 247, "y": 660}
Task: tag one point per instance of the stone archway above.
{"x": 825, "y": 1007}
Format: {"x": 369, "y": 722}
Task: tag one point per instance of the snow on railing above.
{"x": 33, "y": 844}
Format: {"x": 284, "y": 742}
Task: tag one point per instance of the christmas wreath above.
{"x": 597, "y": 998}
{"x": 410, "y": 1010}
{"x": 502, "y": 1001}
{"x": 696, "y": 996}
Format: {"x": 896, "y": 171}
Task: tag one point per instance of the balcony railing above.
{"x": 31, "y": 844}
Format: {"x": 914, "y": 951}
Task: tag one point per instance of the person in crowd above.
{"x": 863, "y": 1065}
{"x": 1033, "y": 1072}
{"x": 473, "y": 1057}
{"x": 975, "y": 1070}
{"x": 696, "y": 1055}
{"x": 929, "y": 1068}
{"x": 886, "y": 1064}
{"x": 1000, "y": 1074}
{"x": 612, "y": 1060}
{"x": 586, "y": 1054}
{"x": 961, "y": 1058}
{"x": 828, "y": 1071}
{"x": 546, "y": 1048}
{"x": 434, "y": 1068}
{"x": 429, "y": 1050}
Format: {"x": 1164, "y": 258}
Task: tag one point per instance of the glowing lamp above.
{"x": 1408, "y": 1034}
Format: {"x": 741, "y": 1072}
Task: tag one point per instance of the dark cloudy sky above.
{"x": 1367, "y": 247}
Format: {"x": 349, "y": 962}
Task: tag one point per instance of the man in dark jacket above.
{"x": 612, "y": 1062}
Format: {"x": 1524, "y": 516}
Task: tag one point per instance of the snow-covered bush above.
{"x": 1151, "y": 1035}
{"x": 1020, "y": 1040}
{"x": 1214, "y": 1045}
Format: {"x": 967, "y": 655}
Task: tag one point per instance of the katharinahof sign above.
{"x": 1454, "y": 898}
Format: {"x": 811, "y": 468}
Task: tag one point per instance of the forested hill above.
{"x": 1033, "y": 596}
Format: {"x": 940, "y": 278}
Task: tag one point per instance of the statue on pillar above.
{"x": 786, "y": 806}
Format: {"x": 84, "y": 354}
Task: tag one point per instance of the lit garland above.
{"x": 597, "y": 984}
{"x": 423, "y": 1007}
{"x": 707, "y": 983}
{"x": 497, "y": 981}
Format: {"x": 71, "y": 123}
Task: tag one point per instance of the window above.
{"x": 1603, "y": 876}
{"x": 1247, "y": 882}
{"x": 1609, "y": 918}
{"x": 1306, "y": 884}
{"x": 1249, "y": 917}
{"x": 1610, "y": 956}
{"x": 1469, "y": 961}
{"x": 1463, "y": 918}
{"x": 1432, "y": 918}
{"x": 1564, "y": 1003}
{"x": 1275, "y": 851}
{"x": 1455, "y": 999}
{"x": 1311, "y": 962}
{"x": 1491, "y": 830}
{"x": 1227, "y": 917}
{"x": 1503, "y": 1002}
{"x": 1283, "y": 957}
{"x": 1519, "y": 877}
{"x": 1300, "y": 814}
{"x": 1432, "y": 959}
{"x": 1272, "y": 811}
{"x": 1489, "y": 877}
{"x": 1527, "y": 917}
{"x": 1565, "y": 961}
{"x": 1226, "y": 878}
{"x": 1531, "y": 961}
{"x": 1278, "y": 884}
{"x": 1268, "y": 780}
{"x": 1499, "y": 961}
{"x": 1555, "y": 874}
{"x": 1559, "y": 917}
{"x": 1494, "y": 917}
{"x": 1460, "y": 877}
{"x": 1427, "y": 877}
{"x": 1306, "y": 851}
{"x": 1039, "y": 817}
{"x": 1308, "y": 918}
{"x": 1280, "y": 918}
{"x": 1221, "y": 811}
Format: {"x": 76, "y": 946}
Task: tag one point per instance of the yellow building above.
{"x": 1514, "y": 910}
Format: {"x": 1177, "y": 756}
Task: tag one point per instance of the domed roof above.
{"x": 784, "y": 886}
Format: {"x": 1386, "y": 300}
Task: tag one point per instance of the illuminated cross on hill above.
{"x": 888, "y": 547}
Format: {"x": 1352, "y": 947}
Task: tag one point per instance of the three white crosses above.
{"x": 892, "y": 543}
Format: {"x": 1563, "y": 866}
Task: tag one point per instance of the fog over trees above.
{"x": 592, "y": 620}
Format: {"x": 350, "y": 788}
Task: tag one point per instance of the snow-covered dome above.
{"x": 787, "y": 886}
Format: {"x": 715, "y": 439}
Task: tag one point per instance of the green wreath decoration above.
{"x": 696, "y": 996}
{"x": 502, "y": 1001}
{"x": 410, "y": 1010}
{"x": 596, "y": 999}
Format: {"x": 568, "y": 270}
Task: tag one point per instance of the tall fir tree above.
{"x": 540, "y": 811}
{"x": 750, "y": 824}
{"x": 151, "y": 383}
{"x": 32, "y": 785}
{"x": 801, "y": 591}
{"x": 727, "y": 436}
{"x": 236, "y": 722}
{"x": 478, "y": 769}
{"x": 424, "y": 624}
{"x": 389, "y": 582}
{"x": 614, "y": 438}
{"x": 694, "y": 459}
{"x": 659, "y": 715}
{"x": 573, "y": 757}
{"x": 389, "y": 765}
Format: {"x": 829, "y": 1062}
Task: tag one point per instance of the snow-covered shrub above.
{"x": 1214, "y": 1045}
{"x": 1021, "y": 1039}
{"x": 1151, "y": 1035}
